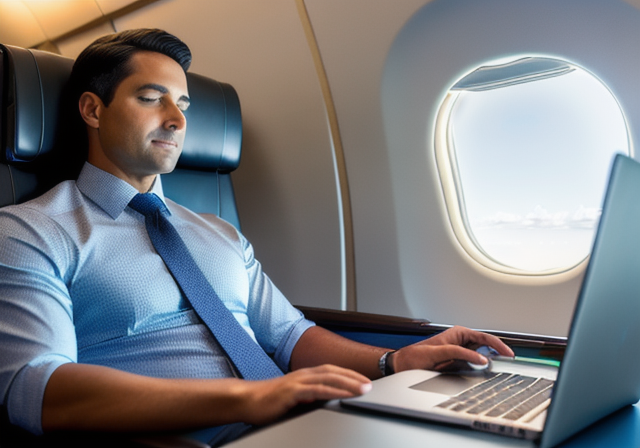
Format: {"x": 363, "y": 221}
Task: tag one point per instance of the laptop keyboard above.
{"x": 503, "y": 395}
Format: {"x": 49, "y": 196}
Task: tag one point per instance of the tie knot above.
{"x": 147, "y": 204}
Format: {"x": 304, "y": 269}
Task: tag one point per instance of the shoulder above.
{"x": 60, "y": 199}
{"x": 36, "y": 219}
{"x": 215, "y": 229}
{"x": 209, "y": 220}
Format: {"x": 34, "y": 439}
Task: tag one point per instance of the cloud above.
{"x": 540, "y": 218}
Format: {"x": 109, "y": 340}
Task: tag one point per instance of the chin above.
{"x": 167, "y": 169}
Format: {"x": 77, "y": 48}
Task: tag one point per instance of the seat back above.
{"x": 43, "y": 140}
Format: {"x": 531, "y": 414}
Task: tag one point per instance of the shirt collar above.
{"x": 109, "y": 192}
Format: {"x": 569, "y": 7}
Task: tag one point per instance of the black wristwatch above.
{"x": 384, "y": 365}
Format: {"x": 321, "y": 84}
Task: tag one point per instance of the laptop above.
{"x": 600, "y": 371}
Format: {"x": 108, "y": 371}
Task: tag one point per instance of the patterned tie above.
{"x": 248, "y": 357}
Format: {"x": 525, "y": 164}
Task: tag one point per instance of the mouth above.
{"x": 169, "y": 144}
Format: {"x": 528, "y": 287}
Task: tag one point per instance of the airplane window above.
{"x": 523, "y": 149}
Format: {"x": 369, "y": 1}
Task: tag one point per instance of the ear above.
{"x": 90, "y": 106}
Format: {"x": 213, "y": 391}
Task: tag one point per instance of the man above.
{"x": 95, "y": 333}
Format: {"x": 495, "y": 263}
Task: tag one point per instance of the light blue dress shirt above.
{"x": 81, "y": 282}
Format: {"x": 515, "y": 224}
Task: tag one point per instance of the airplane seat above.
{"x": 43, "y": 138}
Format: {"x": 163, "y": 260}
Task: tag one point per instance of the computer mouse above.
{"x": 461, "y": 367}
{"x": 488, "y": 352}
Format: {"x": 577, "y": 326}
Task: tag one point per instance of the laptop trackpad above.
{"x": 451, "y": 384}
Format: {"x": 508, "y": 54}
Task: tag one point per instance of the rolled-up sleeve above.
{"x": 276, "y": 323}
{"x": 37, "y": 334}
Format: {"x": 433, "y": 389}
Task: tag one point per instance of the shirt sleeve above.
{"x": 276, "y": 323}
{"x": 36, "y": 325}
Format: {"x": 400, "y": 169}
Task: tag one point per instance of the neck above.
{"x": 141, "y": 183}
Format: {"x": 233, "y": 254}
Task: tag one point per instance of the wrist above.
{"x": 237, "y": 397}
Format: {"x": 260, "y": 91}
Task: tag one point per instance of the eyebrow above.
{"x": 162, "y": 89}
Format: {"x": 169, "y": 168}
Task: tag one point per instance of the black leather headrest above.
{"x": 33, "y": 86}
{"x": 214, "y": 126}
{"x": 35, "y": 122}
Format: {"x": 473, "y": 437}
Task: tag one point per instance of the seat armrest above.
{"x": 344, "y": 322}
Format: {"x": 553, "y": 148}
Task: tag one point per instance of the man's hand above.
{"x": 270, "y": 399}
{"x": 454, "y": 343}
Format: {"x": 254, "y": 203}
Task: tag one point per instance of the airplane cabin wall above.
{"x": 407, "y": 261}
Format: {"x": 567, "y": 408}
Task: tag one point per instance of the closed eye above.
{"x": 147, "y": 99}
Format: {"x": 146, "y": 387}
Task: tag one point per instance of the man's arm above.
{"x": 320, "y": 346}
{"x": 87, "y": 397}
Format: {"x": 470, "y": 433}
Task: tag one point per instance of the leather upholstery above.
{"x": 43, "y": 139}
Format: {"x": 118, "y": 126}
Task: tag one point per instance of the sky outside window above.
{"x": 533, "y": 159}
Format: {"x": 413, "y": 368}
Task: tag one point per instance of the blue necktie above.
{"x": 249, "y": 358}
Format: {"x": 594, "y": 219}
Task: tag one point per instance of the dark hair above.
{"x": 103, "y": 65}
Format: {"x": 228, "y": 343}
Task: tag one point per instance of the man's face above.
{"x": 142, "y": 130}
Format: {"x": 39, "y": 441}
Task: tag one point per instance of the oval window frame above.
{"x": 448, "y": 172}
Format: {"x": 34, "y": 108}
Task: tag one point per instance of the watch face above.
{"x": 384, "y": 366}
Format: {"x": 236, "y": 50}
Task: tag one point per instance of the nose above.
{"x": 175, "y": 119}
